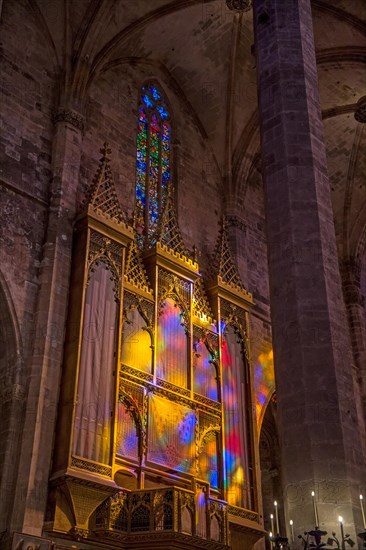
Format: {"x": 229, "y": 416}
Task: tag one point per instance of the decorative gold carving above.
{"x": 173, "y": 388}
{"x": 234, "y": 316}
{"x": 127, "y": 372}
{"x": 145, "y": 308}
{"x": 205, "y": 401}
{"x": 78, "y": 533}
{"x": 169, "y": 233}
{"x": 104, "y": 250}
{"x": 102, "y": 196}
{"x": 135, "y": 273}
{"x": 153, "y": 515}
{"x": 243, "y": 513}
{"x": 211, "y": 341}
{"x": 223, "y": 265}
{"x": 171, "y": 286}
{"x": 169, "y": 390}
{"x": 89, "y": 466}
{"x": 132, "y": 396}
{"x": 201, "y": 307}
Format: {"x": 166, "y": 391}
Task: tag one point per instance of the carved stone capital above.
{"x": 235, "y": 221}
{"x": 239, "y": 5}
{"x": 360, "y": 113}
{"x": 70, "y": 116}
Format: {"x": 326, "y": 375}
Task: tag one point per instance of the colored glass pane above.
{"x": 162, "y": 111}
{"x": 141, "y": 171}
{"x": 154, "y": 92}
{"x": 165, "y": 161}
{"x": 154, "y": 174}
{"x": 146, "y": 99}
{"x": 152, "y": 161}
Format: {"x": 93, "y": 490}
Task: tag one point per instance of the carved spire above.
{"x": 223, "y": 264}
{"x": 201, "y": 307}
{"x": 135, "y": 273}
{"x": 168, "y": 232}
{"x": 102, "y": 194}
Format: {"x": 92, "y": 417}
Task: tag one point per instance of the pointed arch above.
{"x": 12, "y": 396}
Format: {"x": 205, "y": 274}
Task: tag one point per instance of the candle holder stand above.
{"x": 313, "y": 539}
{"x": 363, "y": 537}
{"x": 279, "y": 542}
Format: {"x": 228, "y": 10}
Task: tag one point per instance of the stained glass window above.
{"x": 153, "y": 161}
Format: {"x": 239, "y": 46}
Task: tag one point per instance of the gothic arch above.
{"x": 12, "y": 397}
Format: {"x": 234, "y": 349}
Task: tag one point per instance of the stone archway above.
{"x": 12, "y": 396}
{"x": 270, "y": 463}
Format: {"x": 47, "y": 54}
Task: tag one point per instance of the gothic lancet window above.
{"x": 153, "y": 161}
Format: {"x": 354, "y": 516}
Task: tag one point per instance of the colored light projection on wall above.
{"x": 127, "y": 443}
{"x": 171, "y": 434}
{"x": 136, "y": 349}
{"x": 172, "y": 353}
{"x": 153, "y": 160}
{"x": 264, "y": 383}
{"x": 92, "y": 428}
{"x": 204, "y": 372}
{"x": 236, "y": 475}
{"x": 207, "y": 460}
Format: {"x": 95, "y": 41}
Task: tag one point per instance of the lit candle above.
{"x": 340, "y": 519}
{"x": 276, "y": 508}
{"x": 292, "y": 530}
{"x": 363, "y": 512}
{"x": 272, "y": 526}
{"x": 315, "y": 510}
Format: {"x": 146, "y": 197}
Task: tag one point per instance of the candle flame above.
{"x": 291, "y": 522}
{"x": 340, "y": 519}
{"x": 275, "y": 502}
{"x": 270, "y": 534}
{"x": 361, "y": 497}
{"x": 271, "y": 516}
{"x": 312, "y": 494}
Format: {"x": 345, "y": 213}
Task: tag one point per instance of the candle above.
{"x": 363, "y": 512}
{"x": 315, "y": 510}
{"x": 292, "y": 530}
{"x": 340, "y": 519}
{"x": 272, "y": 525}
{"x": 276, "y": 508}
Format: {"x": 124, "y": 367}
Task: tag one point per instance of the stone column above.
{"x": 318, "y": 423}
{"x": 350, "y": 272}
{"x": 45, "y": 369}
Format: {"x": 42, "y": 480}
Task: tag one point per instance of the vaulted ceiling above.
{"x": 206, "y": 52}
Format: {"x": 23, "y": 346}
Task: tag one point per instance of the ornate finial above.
{"x": 106, "y": 152}
{"x": 102, "y": 195}
{"x": 223, "y": 264}
{"x": 168, "y": 231}
{"x": 201, "y": 306}
{"x": 360, "y": 113}
{"x": 135, "y": 273}
{"x": 195, "y": 253}
{"x": 239, "y": 5}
